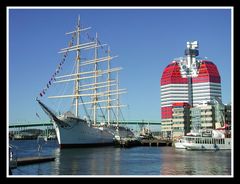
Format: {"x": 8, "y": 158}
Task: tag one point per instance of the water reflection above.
{"x": 184, "y": 162}
{"x": 90, "y": 161}
{"x": 159, "y": 161}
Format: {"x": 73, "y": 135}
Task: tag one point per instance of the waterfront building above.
{"x": 227, "y": 112}
{"x": 166, "y": 127}
{"x": 203, "y": 116}
{"x": 188, "y": 79}
{"x": 207, "y": 115}
{"x": 180, "y": 119}
{"x": 195, "y": 118}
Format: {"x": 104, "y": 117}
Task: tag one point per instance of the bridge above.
{"x": 126, "y": 122}
{"x": 21, "y": 129}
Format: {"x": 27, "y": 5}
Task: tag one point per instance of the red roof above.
{"x": 208, "y": 72}
{"x": 172, "y": 75}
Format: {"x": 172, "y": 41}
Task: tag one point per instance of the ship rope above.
{"x": 114, "y": 113}
{"x": 102, "y": 112}
{"x": 90, "y": 38}
{"x": 64, "y": 90}
{"x": 59, "y": 67}
{"x": 85, "y": 109}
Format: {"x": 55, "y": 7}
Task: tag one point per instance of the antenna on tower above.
{"x": 191, "y": 52}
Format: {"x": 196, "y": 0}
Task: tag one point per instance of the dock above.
{"x": 127, "y": 143}
{"x": 32, "y": 160}
{"x": 156, "y": 142}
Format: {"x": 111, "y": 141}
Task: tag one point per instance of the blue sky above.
{"x": 146, "y": 41}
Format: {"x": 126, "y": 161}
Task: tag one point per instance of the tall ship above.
{"x": 91, "y": 92}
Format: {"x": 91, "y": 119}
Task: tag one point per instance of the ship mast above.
{"x": 88, "y": 88}
{"x": 95, "y": 98}
{"x": 77, "y": 71}
{"x": 108, "y": 87}
{"x": 118, "y": 104}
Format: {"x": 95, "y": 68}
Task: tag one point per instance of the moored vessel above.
{"x": 209, "y": 139}
{"x": 93, "y": 118}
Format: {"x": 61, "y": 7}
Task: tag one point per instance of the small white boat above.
{"x": 208, "y": 140}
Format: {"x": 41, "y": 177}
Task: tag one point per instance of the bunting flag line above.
{"x": 59, "y": 67}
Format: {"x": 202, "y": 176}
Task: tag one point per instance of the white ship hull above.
{"x": 205, "y": 140}
{"x": 224, "y": 144}
{"x": 204, "y": 143}
{"x": 78, "y": 133}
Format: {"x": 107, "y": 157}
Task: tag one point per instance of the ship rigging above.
{"x": 95, "y": 88}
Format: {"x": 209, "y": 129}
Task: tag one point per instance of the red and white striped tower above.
{"x": 189, "y": 79}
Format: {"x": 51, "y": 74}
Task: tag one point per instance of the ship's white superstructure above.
{"x": 95, "y": 94}
{"x": 205, "y": 140}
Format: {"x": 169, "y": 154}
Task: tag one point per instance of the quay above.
{"x": 156, "y": 142}
{"x": 127, "y": 143}
{"x": 30, "y": 160}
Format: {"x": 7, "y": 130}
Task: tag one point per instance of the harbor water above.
{"x": 112, "y": 161}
